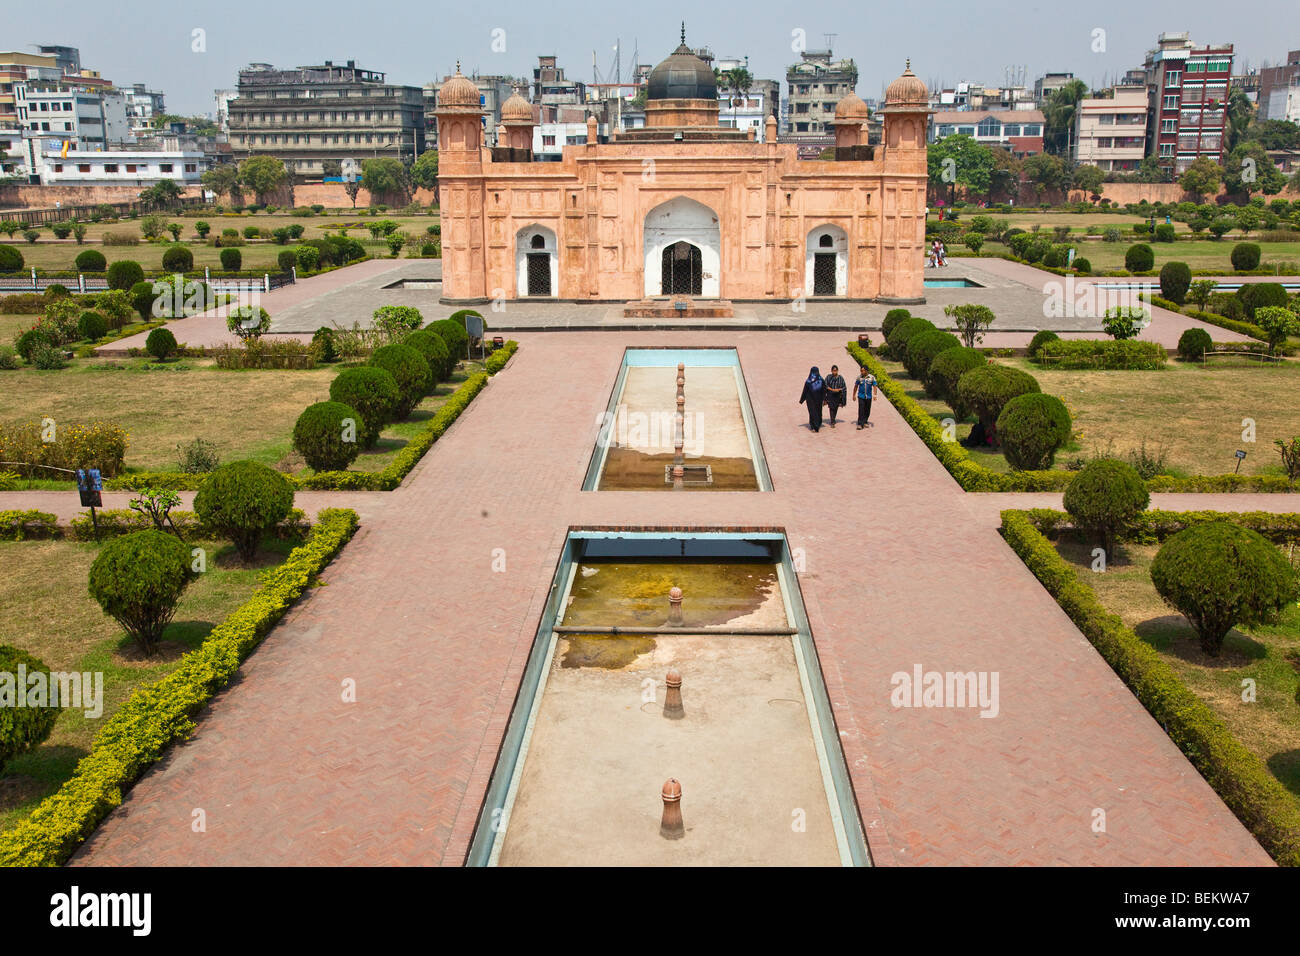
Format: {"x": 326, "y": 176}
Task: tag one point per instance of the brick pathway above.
{"x": 898, "y": 574}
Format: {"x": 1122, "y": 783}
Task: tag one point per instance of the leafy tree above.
{"x": 1089, "y": 179}
{"x": 165, "y": 192}
{"x": 1202, "y": 178}
{"x": 1122, "y": 323}
{"x": 1150, "y": 171}
{"x": 352, "y": 188}
{"x": 386, "y": 178}
{"x": 971, "y": 321}
{"x": 1274, "y": 134}
{"x": 1006, "y": 173}
{"x": 960, "y": 161}
{"x": 1238, "y": 112}
{"x": 1248, "y": 169}
{"x": 1045, "y": 171}
{"x": 424, "y": 174}
{"x": 224, "y": 181}
{"x": 263, "y": 175}
{"x": 1278, "y": 324}
{"x": 1200, "y": 290}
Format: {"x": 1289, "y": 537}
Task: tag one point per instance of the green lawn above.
{"x": 1269, "y": 655}
{"x": 1193, "y": 413}
{"x": 49, "y": 613}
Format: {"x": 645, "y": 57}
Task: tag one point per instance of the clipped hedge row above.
{"x": 973, "y": 476}
{"x": 1239, "y": 777}
{"x": 498, "y": 359}
{"x": 970, "y": 475}
{"x": 119, "y": 521}
{"x": 1211, "y": 318}
{"x": 159, "y": 714}
{"x": 21, "y": 525}
{"x": 1153, "y": 526}
{"x": 1102, "y": 353}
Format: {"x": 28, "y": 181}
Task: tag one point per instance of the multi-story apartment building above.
{"x": 1276, "y": 85}
{"x": 1048, "y": 84}
{"x": 1111, "y": 132}
{"x": 816, "y": 84}
{"x": 121, "y": 167}
{"x": 1019, "y": 131}
{"x": 551, "y": 88}
{"x": 750, "y": 109}
{"x": 976, "y": 96}
{"x": 16, "y": 70}
{"x": 315, "y": 114}
{"x": 142, "y": 106}
{"x": 88, "y": 119}
{"x": 1187, "y": 94}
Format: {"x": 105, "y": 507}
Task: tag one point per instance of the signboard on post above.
{"x": 90, "y": 486}
{"x": 474, "y": 328}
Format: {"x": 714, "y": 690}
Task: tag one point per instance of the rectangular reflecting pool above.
{"x": 596, "y": 730}
{"x": 642, "y": 437}
{"x": 959, "y": 283}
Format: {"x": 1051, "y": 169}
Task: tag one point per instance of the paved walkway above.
{"x": 898, "y": 575}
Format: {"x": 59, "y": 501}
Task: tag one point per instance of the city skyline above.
{"x": 188, "y": 66}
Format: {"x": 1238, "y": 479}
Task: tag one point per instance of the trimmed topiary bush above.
{"x": 434, "y": 349}
{"x": 323, "y": 345}
{"x": 898, "y": 338}
{"x": 138, "y": 579}
{"x": 231, "y": 259}
{"x": 946, "y": 371}
{"x": 161, "y": 344}
{"x": 91, "y": 260}
{"x": 1218, "y": 574}
{"x": 409, "y": 369}
{"x": 454, "y": 336}
{"x": 924, "y": 346}
{"x": 178, "y": 258}
{"x": 22, "y": 728}
{"x": 327, "y": 435}
{"x": 1165, "y": 232}
{"x": 1082, "y": 266}
{"x": 11, "y": 260}
{"x": 1175, "y": 279}
{"x": 243, "y": 500}
{"x": 1245, "y": 256}
{"x": 1139, "y": 258}
{"x": 892, "y": 318}
{"x": 987, "y": 389}
{"x": 1194, "y": 343}
{"x": 1031, "y": 429}
{"x": 91, "y": 325}
{"x": 123, "y": 274}
{"x": 308, "y": 258}
{"x": 373, "y": 393}
{"x": 142, "y": 299}
{"x": 1104, "y": 498}
{"x": 1041, "y": 338}
{"x": 29, "y": 341}
{"x": 1259, "y": 295}
{"x": 286, "y": 259}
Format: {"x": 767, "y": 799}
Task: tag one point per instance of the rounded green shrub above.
{"x": 22, "y": 728}
{"x": 178, "y": 258}
{"x": 231, "y": 259}
{"x": 892, "y": 318}
{"x": 1175, "y": 280}
{"x": 323, "y": 345}
{"x": 923, "y": 347}
{"x": 1082, "y": 266}
{"x": 987, "y": 389}
{"x": 91, "y": 260}
{"x": 434, "y": 349}
{"x": 1219, "y": 575}
{"x": 11, "y": 260}
{"x": 1104, "y": 497}
{"x": 1245, "y": 256}
{"x": 286, "y": 259}
{"x": 123, "y": 274}
{"x": 27, "y": 342}
{"x": 308, "y": 258}
{"x": 1041, "y": 338}
{"x": 243, "y": 500}
{"x": 1139, "y": 258}
{"x": 1032, "y": 428}
{"x": 327, "y": 435}
{"x": 1165, "y": 232}
{"x": 92, "y": 326}
{"x": 161, "y": 344}
{"x": 453, "y": 336}
{"x": 138, "y": 579}
{"x": 1258, "y": 295}
{"x": 1194, "y": 343}
{"x": 409, "y": 369}
{"x": 373, "y": 392}
{"x": 142, "y": 299}
{"x": 902, "y": 332}
{"x": 56, "y": 290}
{"x": 946, "y": 371}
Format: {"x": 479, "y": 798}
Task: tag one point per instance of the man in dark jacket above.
{"x": 837, "y": 393}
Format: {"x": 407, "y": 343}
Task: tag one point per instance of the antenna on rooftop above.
{"x": 830, "y": 40}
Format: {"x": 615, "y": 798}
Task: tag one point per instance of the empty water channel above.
{"x": 678, "y": 420}
{"x": 664, "y": 664}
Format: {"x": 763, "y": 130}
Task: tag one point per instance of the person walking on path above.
{"x": 864, "y": 387}
{"x": 837, "y": 393}
{"x": 813, "y": 395}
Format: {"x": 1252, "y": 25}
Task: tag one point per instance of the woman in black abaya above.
{"x": 814, "y": 393}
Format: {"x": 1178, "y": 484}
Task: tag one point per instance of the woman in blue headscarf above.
{"x": 814, "y": 393}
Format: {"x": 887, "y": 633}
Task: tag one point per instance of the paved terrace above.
{"x": 1015, "y": 292}
{"x": 898, "y": 574}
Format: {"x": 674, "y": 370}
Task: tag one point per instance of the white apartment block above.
{"x": 121, "y": 167}
{"x": 1111, "y": 133}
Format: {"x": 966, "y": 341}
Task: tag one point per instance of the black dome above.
{"x": 683, "y": 76}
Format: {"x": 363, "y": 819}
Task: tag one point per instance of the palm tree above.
{"x": 740, "y": 81}
{"x": 1238, "y": 112}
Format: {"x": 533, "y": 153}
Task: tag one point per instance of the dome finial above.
{"x": 458, "y": 66}
{"x": 683, "y": 31}
{"x": 908, "y": 64}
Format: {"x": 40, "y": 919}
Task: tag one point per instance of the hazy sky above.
{"x": 149, "y": 41}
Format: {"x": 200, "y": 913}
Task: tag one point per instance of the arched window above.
{"x": 539, "y": 242}
{"x": 826, "y": 242}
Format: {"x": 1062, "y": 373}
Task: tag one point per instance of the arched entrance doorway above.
{"x": 682, "y": 270}
{"x": 826, "y": 267}
{"x": 535, "y": 262}
{"x": 682, "y": 250}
